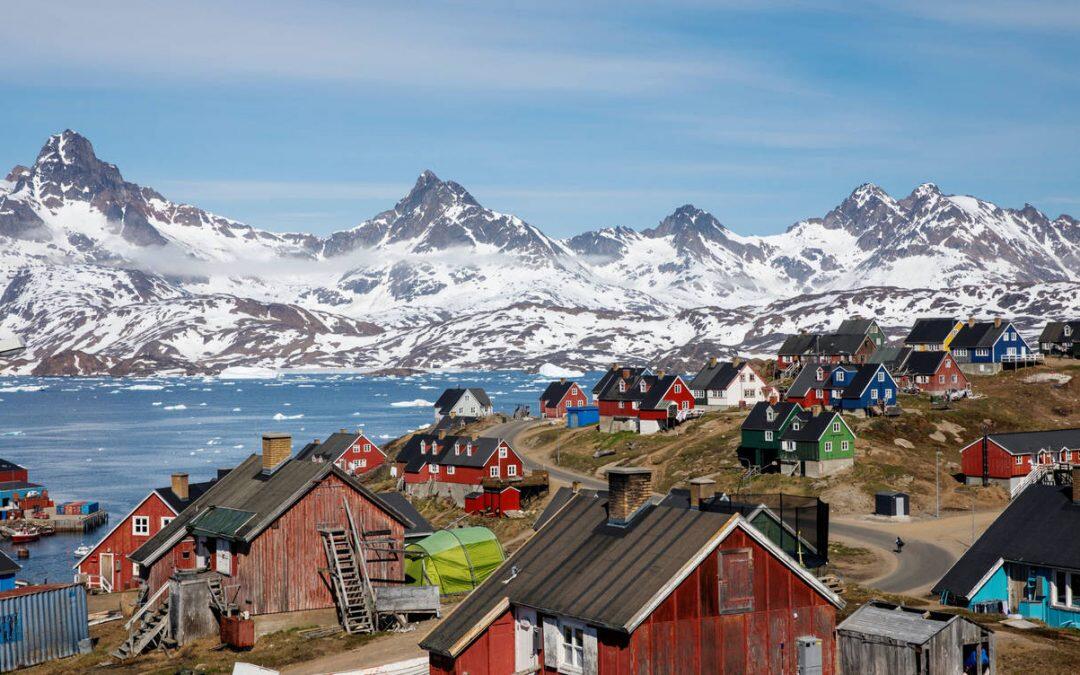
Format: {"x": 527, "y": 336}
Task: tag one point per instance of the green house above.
{"x": 817, "y": 444}
{"x": 761, "y": 432}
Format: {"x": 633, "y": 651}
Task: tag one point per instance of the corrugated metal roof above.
{"x": 902, "y": 624}
{"x": 218, "y": 521}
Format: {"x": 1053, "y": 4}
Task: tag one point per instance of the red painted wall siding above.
{"x": 687, "y": 633}
{"x": 465, "y": 475}
{"x": 122, "y": 541}
{"x": 1002, "y": 465}
{"x": 14, "y": 475}
{"x": 279, "y": 571}
{"x": 373, "y": 458}
{"x": 558, "y": 411}
{"x": 934, "y": 385}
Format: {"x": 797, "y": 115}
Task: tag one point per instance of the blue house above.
{"x": 8, "y": 569}
{"x": 1027, "y": 562}
{"x": 863, "y": 387}
{"x": 984, "y": 346}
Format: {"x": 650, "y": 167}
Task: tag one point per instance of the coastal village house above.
{"x": 932, "y": 334}
{"x": 982, "y": 347}
{"x": 864, "y": 387}
{"x": 854, "y": 341}
{"x": 259, "y": 531}
{"x": 1007, "y": 458}
{"x": 106, "y": 567}
{"x": 470, "y": 403}
{"x": 352, "y": 451}
{"x": 558, "y": 396}
{"x": 614, "y": 372}
{"x": 933, "y": 372}
{"x": 816, "y": 444}
{"x": 693, "y": 591}
{"x": 761, "y": 432}
{"x": 1061, "y": 338}
{"x": 454, "y": 466}
{"x": 1028, "y": 561}
{"x": 636, "y": 401}
{"x": 727, "y": 384}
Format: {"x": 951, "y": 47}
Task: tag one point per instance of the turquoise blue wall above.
{"x": 995, "y": 588}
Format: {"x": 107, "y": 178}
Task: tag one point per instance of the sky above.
{"x": 315, "y": 116}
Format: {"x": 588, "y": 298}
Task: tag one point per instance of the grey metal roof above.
{"x": 924, "y": 363}
{"x": 807, "y": 379}
{"x": 420, "y": 526}
{"x": 798, "y": 345}
{"x": 248, "y": 488}
{"x": 758, "y": 419}
{"x": 981, "y": 334}
{"x": 715, "y": 377}
{"x": 449, "y": 398}
{"x": 1029, "y": 442}
{"x": 440, "y": 450}
{"x": 855, "y": 326}
{"x": 896, "y": 622}
{"x": 840, "y": 344}
{"x": 195, "y": 490}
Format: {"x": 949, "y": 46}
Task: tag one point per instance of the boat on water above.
{"x": 24, "y": 537}
{"x": 82, "y": 550}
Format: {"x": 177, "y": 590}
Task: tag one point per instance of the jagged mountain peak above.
{"x": 689, "y": 219}
{"x": 430, "y": 191}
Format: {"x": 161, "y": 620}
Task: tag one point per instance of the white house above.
{"x": 729, "y": 384}
{"x": 463, "y": 402}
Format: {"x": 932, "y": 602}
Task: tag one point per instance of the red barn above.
{"x": 645, "y": 403}
{"x": 352, "y": 451}
{"x": 106, "y": 566}
{"x": 259, "y": 530}
{"x": 622, "y": 585}
{"x": 454, "y": 466}
{"x": 10, "y": 472}
{"x": 1007, "y": 458}
{"x": 934, "y": 372}
{"x": 560, "y": 395}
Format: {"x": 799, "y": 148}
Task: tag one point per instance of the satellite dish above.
{"x": 10, "y": 346}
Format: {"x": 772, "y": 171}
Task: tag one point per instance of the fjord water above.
{"x": 113, "y": 440}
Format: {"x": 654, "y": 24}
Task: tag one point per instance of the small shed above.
{"x": 42, "y": 623}
{"x": 582, "y": 416}
{"x": 493, "y": 501}
{"x": 886, "y": 639}
{"x": 892, "y": 504}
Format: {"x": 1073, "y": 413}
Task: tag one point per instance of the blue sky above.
{"x": 314, "y": 116}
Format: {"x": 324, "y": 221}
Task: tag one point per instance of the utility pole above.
{"x": 937, "y": 485}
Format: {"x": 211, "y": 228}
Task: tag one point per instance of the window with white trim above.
{"x": 828, "y": 446}
{"x": 367, "y": 447}
{"x": 839, "y": 376}
{"x": 165, "y": 520}
{"x": 768, "y": 435}
{"x": 134, "y": 569}
{"x": 511, "y": 470}
{"x": 622, "y": 386}
{"x": 881, "y": 376}
{"x": 836, "y": 427}
{"x": 678, "y": 388}
{"x": 494, "y": 472}
{"x": 433, "y": 468}
{"x": 873, "y": 394}
{"x": 140, "y": 526}
{"x": 845, "y": 445}
{"x": 1019, "y": 460}
{"x": 1065, "y": 589}
{"x": 502, "y": 453}
{"x": 571, "y": 646}
{"x": 450, "y": 470}
{"x": 635, "y": 405}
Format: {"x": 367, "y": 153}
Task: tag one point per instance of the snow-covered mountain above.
{"x": 103, "y": 275}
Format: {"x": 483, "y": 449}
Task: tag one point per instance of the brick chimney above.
{"x": 701, "y": 490}
{"x": 971, "y": 322}
{"x": 626, "y": 373}
{"x": 442, "y": 433}
{"x": 997, "y": 322}
{"x": 575, "y": 486}
{"x": 180, "y": 486}
{"x": 712, "y": 361}
{"x": 629, "y": 488}
{"x": 277, "y": 448}
{"x": 562, "y": 380}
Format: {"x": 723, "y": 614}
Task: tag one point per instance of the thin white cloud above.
{"x": 426, "y": 46}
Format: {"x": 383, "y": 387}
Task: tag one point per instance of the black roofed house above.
{"x": 560, "y": 395}
{"x": 932, "y": 333}
{"x": 984, "y": 347}
{"x": 619, "y": 583}
{"x": 854, "y": 341}
{"x": 454, "y": 466}
{"x": 637, "y": 401}
{"x": 1009, "y": 458}
{"x": 796, "y": 349}
{"x": 816, "y": 443}
{"x": 1028, "y": 561}
{"x": 844, "y": 348}
{"x": 880, "y": 637}
{"x": 352, "y": 451}
{"x": 761, "y": 431}
{"x": 727, "y": 384}
{"x": 861, "y": 326}
{"x": 260, "y": 532}
{"x": 615, "y": 372}
{"x": 472, "y": 402}
{"x": 1061, "y": 338}
{"x": 934, "y": 372}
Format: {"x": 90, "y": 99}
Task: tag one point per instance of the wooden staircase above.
{"x": 353, "y": 592}
{"x": 149, "y": 627}
{"x": 218, "y": 599}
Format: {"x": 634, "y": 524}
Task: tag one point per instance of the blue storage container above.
{"x": 582, "y": 416}
{"x": 42, "y": 623}
{"x": 89, "y": 507}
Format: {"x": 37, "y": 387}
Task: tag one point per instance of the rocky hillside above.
{"x": 99, "y": 274}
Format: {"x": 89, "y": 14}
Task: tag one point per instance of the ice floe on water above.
{"x": 282, "y": 416}
{"x": 552, "y": 370}
{"x": 12, "y": 433}
{"x": 236, "y": 410}
{"x": 248, "y": 373}
{"x": 23, "y": 388}
{"x": 146, "y": 387}
{"x": 415, "y": 403}
{"x": 178, "y": 406}
{"x": 156, "y": 403}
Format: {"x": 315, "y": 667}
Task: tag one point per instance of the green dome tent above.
{"x": 454, "y": 560}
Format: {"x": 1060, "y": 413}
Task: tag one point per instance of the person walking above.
{"x": 899, "y": 544}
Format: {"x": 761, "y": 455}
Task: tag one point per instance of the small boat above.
{"x": 82, "y": 550}
{"x": 24, "y": 537}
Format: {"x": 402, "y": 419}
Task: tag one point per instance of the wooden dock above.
{"x": 82, "y": 522}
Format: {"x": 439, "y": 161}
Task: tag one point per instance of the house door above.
{"x": 107, "y": 568}
{"x": 202, "y": 553}
{"x": 526, "y": 639}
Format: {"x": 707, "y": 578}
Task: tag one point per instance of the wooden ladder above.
{"x": 348, "y": 570}
{"x": 218, "y": 600}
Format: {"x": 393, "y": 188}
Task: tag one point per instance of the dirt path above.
{"x": 389, "y": 648}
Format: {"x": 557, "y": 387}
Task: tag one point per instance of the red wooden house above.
{"x": 1007, "y": 458}
{"x": 619, "y": 584}
{"x": 560, "y": 395}
{"x": 10, "y": 472}
{"x": 258, "y": 530}
{"x": 645, "y": 403}
{"x": 493, "y": 501}
{"x": 106, "y": 566}
{"x": 454, "y": 466}
{"x": 352, "y": 451}
{"x": 933, "y": 372}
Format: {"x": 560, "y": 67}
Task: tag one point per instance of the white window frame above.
{"x": 845, "y": 445}
{"x": 677, "y": 388}
{"x": 873, "y": 394}
{"x": 140, "y": 526}
{"x": 367, "y": 447}
{"x": 1019, "y": 460}
{"x": 433, "y": 468}
{"x": 502, "y": 453}
{"x": 795, "y": 426}
{"x": 493, "y": 472}
{"x": 880, "y": 377}
{"x": 1072, "y": 602}
{"x": 828, "y": 446}
{"x": 165, "y": 520}
{"x": 450, "y": 470}
{"x": 768, "y": 435}
{"x": 836, "y": 427}
{"x": 511, "y": 469}
{"x": 576, "y": 661}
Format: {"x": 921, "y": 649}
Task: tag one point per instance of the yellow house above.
{"x": 933, "y": 334}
